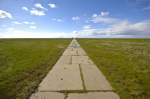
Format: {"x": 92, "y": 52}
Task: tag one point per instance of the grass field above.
{"x": 24, "y": 62}
{"x": 125, "y": 63}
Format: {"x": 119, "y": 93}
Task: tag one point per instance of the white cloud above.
{"x": 75, "y": 18}
{"x": 25, "y": 8}
{"x": 26, "y": 22}
{"x": 39, "y": 6}
{"x": 123, "y": 27}
{"x": 74, "y": 31}
{"x": 126, "y": 27}
{"x": 101, "y": 19}
{"x": 52, "y": 5}
{"x": 32, "y": 27}
{"x": 37, "y": 12}
{"x": 115, "y": 26}
{"x": 94, "y": 15}
{"x": 16, "y": 22}
{"x": 57, "y": 20}
{"x": 5, "y": 14}
{"x": 86, "y": 26}
{"x": 104, "y": 13}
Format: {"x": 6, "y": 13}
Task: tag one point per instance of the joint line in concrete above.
{"x": 82, "y": 77}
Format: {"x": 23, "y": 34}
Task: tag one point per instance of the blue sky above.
{"x": 74, "y": 18}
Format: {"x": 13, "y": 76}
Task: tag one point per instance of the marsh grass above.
{"x": 24, "y": 63}
{"x": 125, "y": 63}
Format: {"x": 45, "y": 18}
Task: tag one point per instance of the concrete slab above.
{"x": 74, "y": 51}
{"x": 93, "y": 95}
{"x": 81, "y": 60}
{"x": 93, "y": 78}
{"x": 74, "y": 44}
{"x": 64, "y": 60}
{"x": 47, "y": 95}
{"x": 70, "y": 52}
{"x": 80, "y": 52}
{"x": 64, "y": 77}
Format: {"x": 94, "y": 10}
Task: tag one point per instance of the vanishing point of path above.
{"x": 74, "y": 76}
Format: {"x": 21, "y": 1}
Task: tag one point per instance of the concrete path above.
{"x": 74, "y": 76}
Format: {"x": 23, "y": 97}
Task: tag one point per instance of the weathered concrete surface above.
{"x": 74, "y": 72}
{"x": 80, "y": 51}
{"x": 62, "y": 77}
{"x": 70, "y": 52}
{"x": 93, "y": 78}
{"x": 47, "y": 95}
{"x": 81, "y": 60}
{"x": 93, "y": 95}
{"x": 64, "y": 60}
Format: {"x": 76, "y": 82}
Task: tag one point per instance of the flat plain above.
{"x": 124, "y": 62}
{"x": 25, "y": 62}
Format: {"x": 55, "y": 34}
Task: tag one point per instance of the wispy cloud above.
{"x": 140, "y": 4}
{"x": 147, "y": 8}
{"x": 29, "y": 23}
{"x": 52, "y": 5}
{"x": 114, "y": 26}
{"x": 39, "y": 6}
{"x": 25, "y": 8}
{"x": 103, "y": 18}
{"x": 28, "y": 34}
{"x": 94, "y": 15}
{"x": 24, "y": 22}
{"x": 104, "y": 13}
{"x": 86, "y": 26}
{"x": 123, "y": 27}
{"x": 5, "y": 14}
{"x": 16, "y": 22}
{"x": 75, "y": 18}
{"x": 39, "y": 9}
{"x": 37, "y": 12}
{"x": 57, "y": 20}
{"x": 32, "y": 27}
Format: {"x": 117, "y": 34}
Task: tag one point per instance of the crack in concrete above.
{"x": 66, "y": 95}
{"x": 71, "y": 60}
{"x": 79, "y": 91}
{"x": 82, "y": 78}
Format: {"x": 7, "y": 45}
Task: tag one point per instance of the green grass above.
{"x": 124, "y": 62}
{"x": 24, "y": 62}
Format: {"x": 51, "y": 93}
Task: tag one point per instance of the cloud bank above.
{"x": 114, "y": 26}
